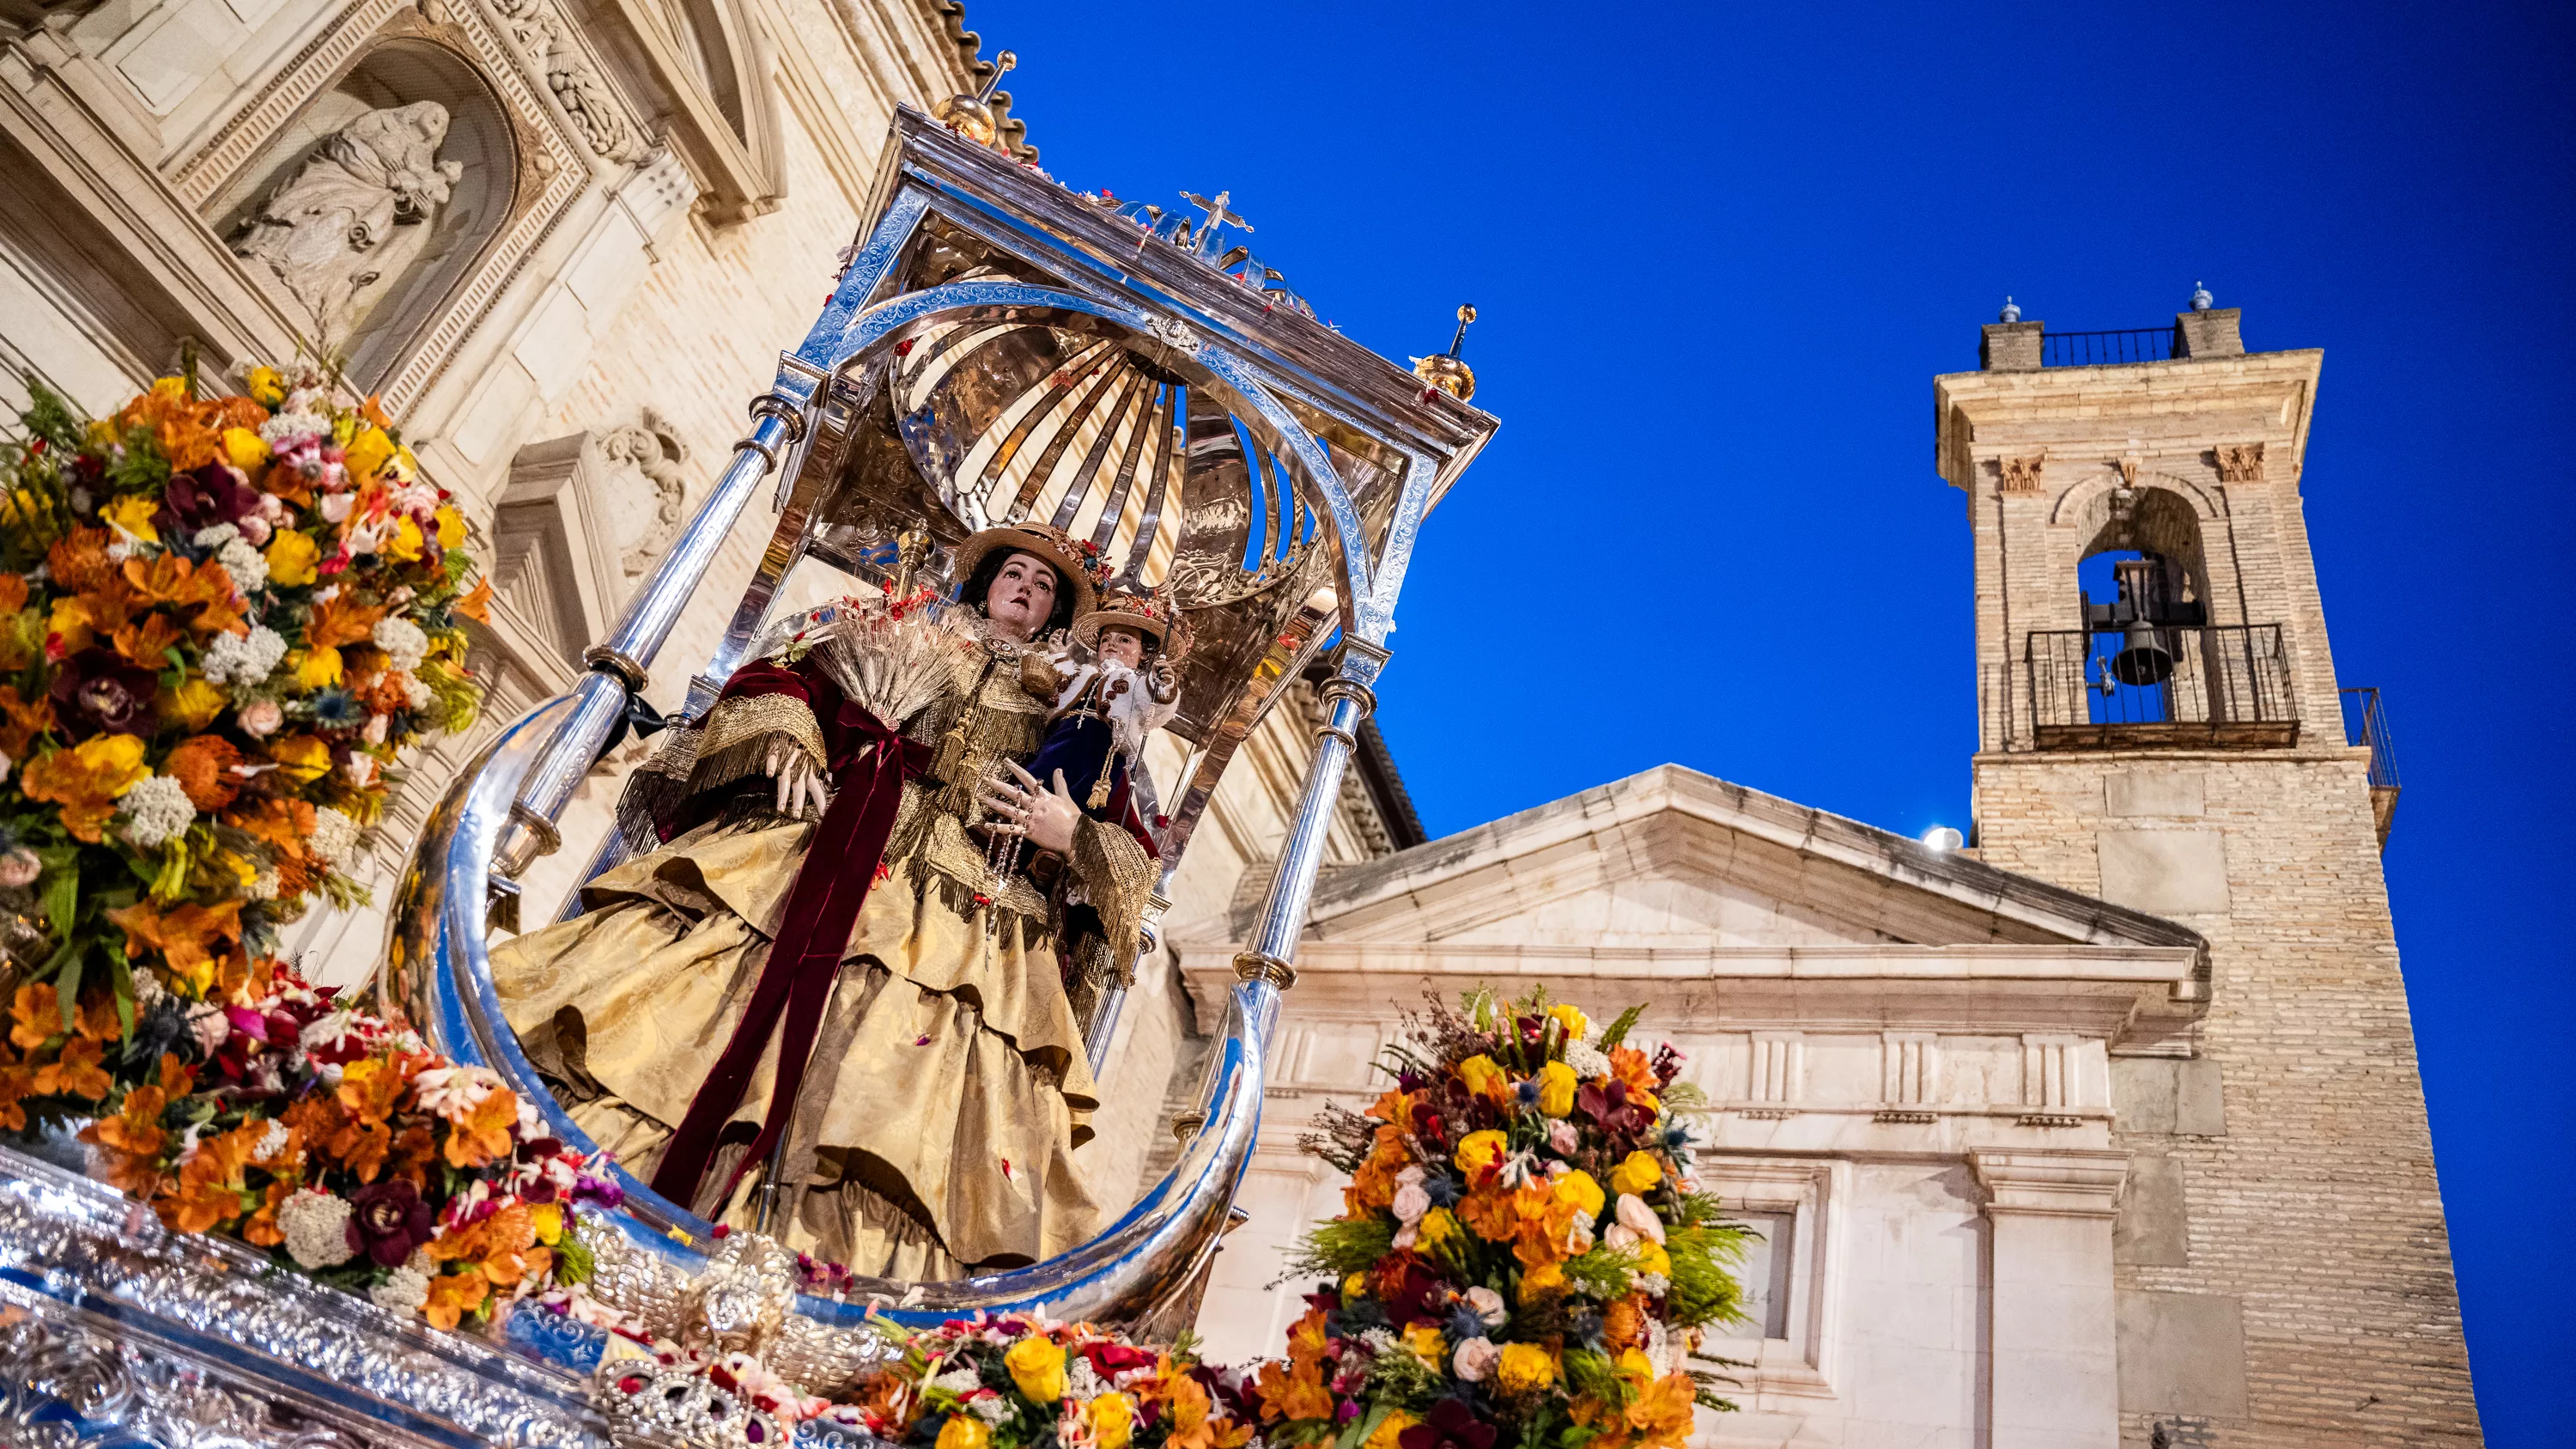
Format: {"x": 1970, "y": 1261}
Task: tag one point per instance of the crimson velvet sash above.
{"x": 869, "y": 763}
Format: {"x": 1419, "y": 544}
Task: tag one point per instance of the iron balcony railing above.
{"x": 2365, "y": 724}
{"x": 2144, "y": 687}
{"x": 2095, "y": 349}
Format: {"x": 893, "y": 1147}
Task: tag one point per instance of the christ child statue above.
{"x": 1103, "y": 708}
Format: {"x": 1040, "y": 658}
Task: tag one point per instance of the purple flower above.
{"x": 388, "y": 1221}
{"x": 215, "y": 493}
{"x": 98, "y": 692}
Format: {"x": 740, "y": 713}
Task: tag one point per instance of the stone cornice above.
{"x": 2072, "y": 1184}
{"x": 2256, "y": 396}
{"x": 2094, "y": 991}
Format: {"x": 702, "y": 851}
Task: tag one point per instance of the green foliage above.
{"x": 1619, "y": 1029}
{"x": 1401, "y": 1377}
{"x": 574, "y": 1261}
{"x": 1602, "y": 1273}
{"x": 1588, "y": 1372}
{"x": 1342, "y": 1247}
{"x": 49, "y": 417}
{"x": 1702, "y": 1290}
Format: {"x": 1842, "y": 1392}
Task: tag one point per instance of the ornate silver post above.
{"x": 1348, "y": 700}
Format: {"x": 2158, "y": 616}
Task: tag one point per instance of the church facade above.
{"x": 2104, "y": 1129}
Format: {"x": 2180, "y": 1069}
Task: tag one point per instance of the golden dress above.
{"x": 933, "y": 1132}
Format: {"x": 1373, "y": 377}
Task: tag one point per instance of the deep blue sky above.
{"x": 1720, "y": 254}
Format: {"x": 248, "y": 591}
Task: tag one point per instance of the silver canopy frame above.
{"x": 964, "y": 236}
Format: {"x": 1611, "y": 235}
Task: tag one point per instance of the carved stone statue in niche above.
{"x": 355, "y": 212}
{"x": 646, "y": 458}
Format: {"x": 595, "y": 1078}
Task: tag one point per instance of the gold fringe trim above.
{"x": 1117, "y": 881}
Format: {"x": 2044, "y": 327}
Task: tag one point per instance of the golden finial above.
{"x": 1445, "y": 371}
{"x": 971, "y": 116}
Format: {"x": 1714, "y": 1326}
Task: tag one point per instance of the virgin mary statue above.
{"x": 839, "y": 951}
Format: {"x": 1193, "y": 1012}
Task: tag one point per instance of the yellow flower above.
{"x": 1556, "y": 1086}
{"x": 405, "y": 544}
{"x": 243, "y": 448}
{"x": 1538, "y": 1282}
{"x": 451, "y": 526}
{"x": 1638, "y": 1174}
{"x": 1525, "y": 1367}
{"x": 1481, "y": 1076}
{"x": 1479, "y": 1150}
{"x": 1574, "y": 1022}
{"x": 192, "y": 705}
{"x": 1113, "y": 1421}
{"x": 87, "y": 780}
{"x": 301, "y": 758}
{"x": 964, "y": 1431}
{"x": 1438, "y": 1226}
{"x": 318, "y": 669}
{"x": 1651, "y": 1258}
{"x": 1427, "y": 1342}
{"x": 1037, "y": 1366}
{"x": 1353, "y": 1287}
{"x": 1390, "y": 1430}
{"x": 367, "y": 452}
{"x": 547, "y": 1219}
{"x": 1579, "y": 1189}
{"x": 132, "y": 514}
{"x": 70, "y": 622}
{"x": 291, "y": 556}
{"x": 266, "y": 388}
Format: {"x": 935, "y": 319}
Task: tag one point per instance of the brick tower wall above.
{"x": 2284, "y": 1271}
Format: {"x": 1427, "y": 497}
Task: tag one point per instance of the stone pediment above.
{"x": 1672, "y": 858}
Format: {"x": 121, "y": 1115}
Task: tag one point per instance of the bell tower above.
{"x": 2160, "y": 724}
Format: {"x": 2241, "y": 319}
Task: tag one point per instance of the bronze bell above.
{"x": 2143, "y": 658}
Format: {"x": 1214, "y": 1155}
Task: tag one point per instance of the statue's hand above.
{"x": 1046, "y": 818}
{"x": 801, "y": 792}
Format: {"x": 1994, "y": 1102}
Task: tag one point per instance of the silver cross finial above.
{"x": 1216, "y": 213}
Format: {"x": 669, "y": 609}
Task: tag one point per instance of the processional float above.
{"x": 997, "y": 348}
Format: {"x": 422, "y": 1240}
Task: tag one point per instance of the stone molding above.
{"x": 2021, "y": 475}
{"x": 2068, "y": 1184}
{"x": 2239, "y": 462}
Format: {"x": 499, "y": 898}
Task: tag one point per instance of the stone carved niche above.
{"x": 647, "y": 486}
{"x": 354, "y": 214}
{"x": 367, "y": 209}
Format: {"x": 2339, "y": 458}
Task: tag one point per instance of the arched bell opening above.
{"x": 2153, "y": 657}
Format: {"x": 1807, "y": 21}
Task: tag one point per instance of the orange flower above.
{"x": 1488, "y": 1211}
{"x": 341, "y": 621}
{"x": 452, "y": 1296}
{"x": 1623, "y": 1324}
{"x": 76, "y": 1073}
{"x": 260, "y": 1229}
{"x": 477, "y": 605}
{"x": 187, "y": 937}
{"x": 35, "y": 1016}
{"x": 170, "y": 579}
{"x": 24, "y": 722}
{"x": 371, "y": 1089}
{"x": 210, "y": 1190}
{"x": 485, "y": 1132}
{"x": 301, "y": 758}
{"x": 136, "y": 1127}
{"x": 86, "y": 781}
{"x": 1297, "y": 1393}
{"x": 77, "y": 562}
{"x": 15, "y": 1084}
{"x": 144, "y": 640}
{"x": 96, "y": 1017}
{"x": 1634, "y": 1068}
{"x": 283, "y": 825}
{"x": 1661, "y": 1416}
{"x": 13, "y": 593}
{"x": 202, "y": 764}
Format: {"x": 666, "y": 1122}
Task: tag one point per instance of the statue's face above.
{"x": 1023, "y": 596}
{"x": 1117, "y": 646}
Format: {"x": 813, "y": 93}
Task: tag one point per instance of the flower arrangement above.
{"x": 339, "y": 1142}
{"x": 1018, "y": 1382}
{"x": 221, "y": 619}
{"x": 1523, "y": 1258}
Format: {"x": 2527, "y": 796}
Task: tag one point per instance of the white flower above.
{"x": 957, "y": 1380}
{"x": 20, "y": 867}
{"x": 402, "y": 641}
{"x": 1638, "y": 1218}
{"x": 248, "y": 567}
{"x": 289, "y": 430}
{"x": 244, "y": 659}
{"x": 260, "y": 718}
{"x": 988, "y": 1407}
{"x": 415, "y": 693}
{"x": 156, "y": 810}
{"x": 1411, "y": 1202}
{"x": 402, "y": 1293}
{"x": 415, "y": 497}
{"x": 1475, "y": 1358}
{"x": 1655, "y": 1284}
{"x": 336, "y": 507}
{"x": 1081, "y": 1381}
{"x": 327, "y": 1032}
{"x": 359, "y": 770}
{"x": 1489, "y": 1307}
{"x": 316, "y": 1225}
{"x": 334, "y": 839}
{"x": 215, "y": 536}
{"x": 210, "y": 1027}
{"x": 377, "y": 725}
{"x": 147, "y": 991}
{"x": 454, "y": 1092}
{"x": 1587, "y": 1060}
{"x": 271, "y": 1142}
